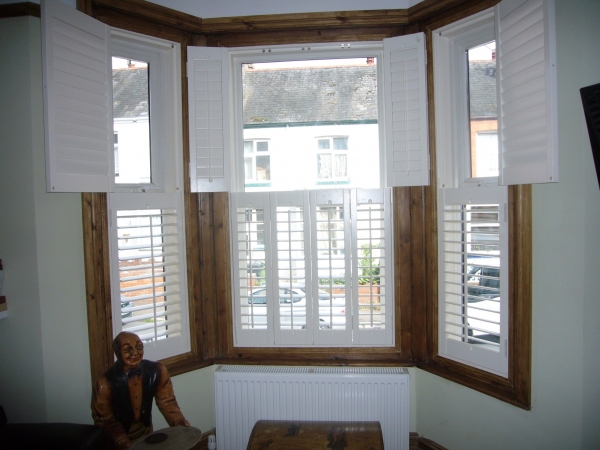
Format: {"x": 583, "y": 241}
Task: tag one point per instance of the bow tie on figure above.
{"x": 135, "y": 372}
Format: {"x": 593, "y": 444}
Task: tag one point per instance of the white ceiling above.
{"x": 229, "y": 8}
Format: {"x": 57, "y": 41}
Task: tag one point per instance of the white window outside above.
{"x": 257, "y": 162}
{"x": 332, "y": 159}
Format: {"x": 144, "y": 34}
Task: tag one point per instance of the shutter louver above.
{"x": 527, "y": 92}
{"x": 406, "y": 128}
{"x": 151, "y": 270}
{"x": 310, "y": 268}
{"x": 473, "y": 306}
{"x": 209, "y": 119}
{"x": 77, "y": 100}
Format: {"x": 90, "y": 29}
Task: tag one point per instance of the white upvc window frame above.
{"x": 295, "y": 52}
{"x": 216, "y": 120}
{"x": 457, "y": 189}
{"x": 79, "y": 135}
{"x": 217, "y": 164}
{"x": 526, "y": 87}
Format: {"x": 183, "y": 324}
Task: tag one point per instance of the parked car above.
{"x": 483, "y": 281}
{"x": 332, "y": 309}
{"x": 483, "y": 289}
{"x": 126, "y": 306}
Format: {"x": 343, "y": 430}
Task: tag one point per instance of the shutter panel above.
{"x": 331, "y": 264}
{"x": 209, "y": 119}
{"x": 527, "y": 91}
{"x": 291, "y": 263}
{"x": 373, "y": 318}
{"x": 473, "y": 277}
{"x": 77, "y": 100}
{"x": 254, "y": 291}
{"x": 149, "y": 271}
{"x": 406, "y": 128}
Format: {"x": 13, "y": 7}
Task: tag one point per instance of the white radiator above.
{"x": 246, "y": 394}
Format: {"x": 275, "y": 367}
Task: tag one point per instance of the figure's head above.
{"x": 128, "y": 349}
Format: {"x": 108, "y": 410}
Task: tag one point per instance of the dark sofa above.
{"x": 49, "y": 436}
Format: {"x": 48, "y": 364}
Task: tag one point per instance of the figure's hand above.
{"x": 123, "y": 444}
{"x": 181, "y": 423}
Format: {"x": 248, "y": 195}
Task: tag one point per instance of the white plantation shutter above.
{"x": 371, "y": 246}
{"x": 309, "y": 268}
{"x": 209, "y": 119}
{"x": 149, "y": 271}
{"x": 331, "y": 265}
{"x": 77, "y": 100}
{"x": 406, "y": 128}
{"x": 527, "y": 91}
{"x": 253, "y": 287}
{"x": 473, "y": 271}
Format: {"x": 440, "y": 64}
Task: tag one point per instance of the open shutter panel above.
{"x": 373, "y": 290}
{"x": 77, "y": 85}
{"x": 527, "y": 91}
{"x": 290, "y": 239}
{"x": 253, "y": 287}
{"x": 209, "y": 119}
{"x": 406, "y": 129}
{"x": 473, "y": 280}
{"x": 149, "y": 264}
{"x": 332, "y": 265}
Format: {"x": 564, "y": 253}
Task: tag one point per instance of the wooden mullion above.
{"x": 207, "y": 267}
{"x": 403, "y": 270}
{"x": 222, "y": 262}
{"x": 520, "y": 253}
{"x": 97, "y": 280}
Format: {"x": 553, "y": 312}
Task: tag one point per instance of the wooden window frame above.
{"x": 414, "y": 211}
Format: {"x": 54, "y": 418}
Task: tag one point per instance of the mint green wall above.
{"x": 566, "y": 303}
{"x": 44, "y": 349}
{"x": 21, "y": 356}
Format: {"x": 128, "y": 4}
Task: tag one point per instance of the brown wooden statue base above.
{"x": 292, "y": 435}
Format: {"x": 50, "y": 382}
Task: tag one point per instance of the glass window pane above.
{"x": 263, "y": 167}
{"x": 341, "y": 169}
{"x": 324, "y": 166}
{"x": 131, "y": 120}
{"x": 483, "y": 115}
{"x": 323, "y": 144}
{"x": 340, "y": 143}
{"x": 287, "y": 105}
{"x": 248, "y": 147}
